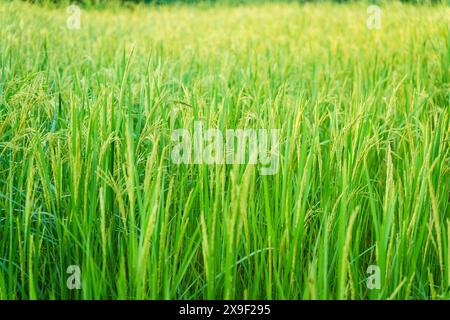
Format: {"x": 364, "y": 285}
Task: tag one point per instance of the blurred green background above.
{"x": 237, "y": 2}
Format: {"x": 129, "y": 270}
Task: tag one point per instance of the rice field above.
{"x": 93, "y": 205}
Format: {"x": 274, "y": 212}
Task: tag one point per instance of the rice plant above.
{"x": 357, "y": 209}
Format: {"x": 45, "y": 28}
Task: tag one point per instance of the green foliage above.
{"x": 86, "y": 176}
{"x": 102, "y": 3}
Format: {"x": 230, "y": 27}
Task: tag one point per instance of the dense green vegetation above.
{"x": 97, "y": 3}
{"x": 86, "y": 177}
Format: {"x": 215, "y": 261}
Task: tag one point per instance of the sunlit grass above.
{"x": 86, "y": 177}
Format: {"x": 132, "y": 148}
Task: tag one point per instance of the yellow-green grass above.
{"x": 86, "y": 178}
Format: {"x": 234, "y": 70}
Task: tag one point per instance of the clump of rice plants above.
{"x": 92, "y": 205}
